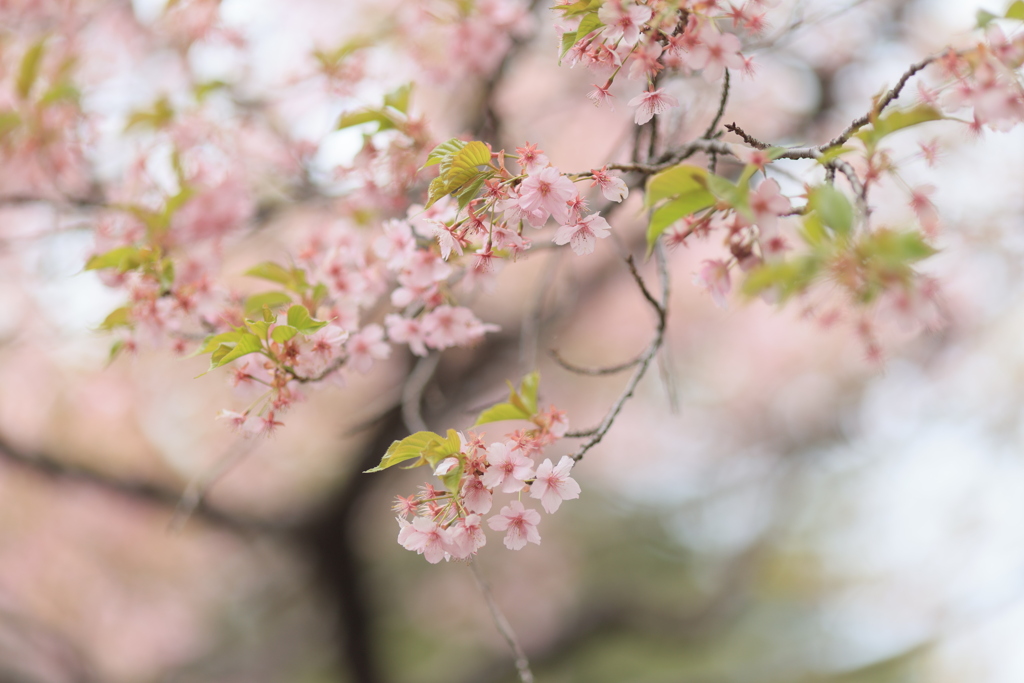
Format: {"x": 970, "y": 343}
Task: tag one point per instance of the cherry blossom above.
{"x": 651, "y": 103}
{"x": 622, "y": 21}
{"x": 519, "y": 524}
{"x": 508, "y": 468}
{"x": 583, "y": 235}
{"x": 714, "y": 278}
{"x": 552, "y": 484}
{"x": 426, "y": 537}
{"x": 547, "y": 192}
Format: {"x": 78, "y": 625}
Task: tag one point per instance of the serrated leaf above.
{"x": 1016, "y": 10}
{"x": 409, "y": 448}
{"x": 301, "y": 320}
{"x": 213, "y": 341}
{"x": 258, "y": 327}
{"x": 462, "y": 165}
{"x": 255, "y": 303}
{"x": 445, "y": 149}
{"x": 283, "y": 333}
{"x": 28, "y": 71}
{"x": 229, "y": 351}
{"x": 588, "y": 25}
{"x": 832, "y": 207}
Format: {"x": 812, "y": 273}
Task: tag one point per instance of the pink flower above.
{"x": 622, "y": 22}
{"x": 448, "y": 326}
{"x": 508, "y": 468}
{"x": 715, "y": 52}
{"x": 650, "y": 103}
{"x": 406, "y": 331}
{"x": 767, "y": 204}
{"x": 553, "y": 484}
{"x": 476, "y": 497}
{"x": 531, "y": 159}
{"x": 365, "y": 346}
{"x": 424, "y": 536}
{"x": 519, "y": 524}
{"x": 583, "y": 236}
{"x": 612, "y": 187}
{"x": 599, "y": 95}
{"x": 714, "y": 278}
{"x": 547, "y": 191}
{"x": 466, "y": 537}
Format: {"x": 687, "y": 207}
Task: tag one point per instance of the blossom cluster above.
{"x": 656, "y": 36}
{"x": 447, "y": 522}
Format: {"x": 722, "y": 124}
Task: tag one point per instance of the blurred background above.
{"x": 770, "y": 507}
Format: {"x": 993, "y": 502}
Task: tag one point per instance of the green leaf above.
{"x": 320, "y": 293}
{"x": 229, "y": 351}
{"x": 898, "y": 120}
{"x": 213, "y": 341}
{"x": 161, "y": 114}
{"x": 984, "y": 18}
{"x": 589, "y": 24}
{"x": 1016, "y": 10}
{"x": 568, "y": 40}
{"x": 685, "y": 187}
{"x": 832, "y": 207}
{"x": 28, "y": 72}
{"x": 470, "y": 191}
{"x": 203, "y": 90}
{"x": 60, "y": 92}
{"x": 301, "y": 320}
{"x": 579, "y": 7}
{"x": 409, "y": 448}
{"x": 357, "y": 118}
{"x": 294, "y": 279}
{"x": 675, "y": 182}
{"x": 463, "y": 164}
{"x": 9, "y": 120}
{"x": 399, "y": 98}
{"x": 258, "y": 327}
{"x": 521, "y": 404}
{"x": 121, "y": 258}
{"x": 115, "y": 350}
{"x": 895, "y": 248}
{"x": 119, "y": 317}
{"x": 448, "y": 148}
{"x": 283, "y": 333}
{"x": 814, "y": 232}
{"x": 787, "y": 277}
{"x": 255, "y": 303}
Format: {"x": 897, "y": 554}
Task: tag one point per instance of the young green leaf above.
{"x": 301, "y": 320}
{"x": 409, "y": 448}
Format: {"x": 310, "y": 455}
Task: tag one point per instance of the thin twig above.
{"x": 747, "y": 137}
{"x": 522, "y": 663}
{"x": 710, "y": 132}
{"x": 661, "y": 308}
{"x": 881, "y": 104}
{"x": 580, "y": 370}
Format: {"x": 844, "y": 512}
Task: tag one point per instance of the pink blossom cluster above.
{"x": 448, "y": 522}
{"x": 654, "y": 37}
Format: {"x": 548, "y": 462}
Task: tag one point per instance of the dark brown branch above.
{"x": 710, "y": 132}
